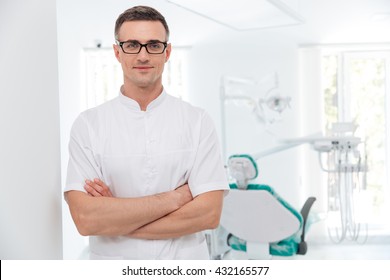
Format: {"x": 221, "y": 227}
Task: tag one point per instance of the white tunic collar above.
{"x": 133, "y": 105}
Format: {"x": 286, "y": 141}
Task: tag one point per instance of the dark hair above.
{"x": 140, "y": 13}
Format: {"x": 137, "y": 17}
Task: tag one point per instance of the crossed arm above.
{"x": 161, "y": 216}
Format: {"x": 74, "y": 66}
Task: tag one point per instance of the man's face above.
{"x": 143, "y": 69}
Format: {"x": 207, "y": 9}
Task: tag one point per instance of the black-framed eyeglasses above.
{"x": 134, "y": 47}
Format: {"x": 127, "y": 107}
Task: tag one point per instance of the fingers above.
{"x": 185, "y": 194}
{"x": 97, "y": 188}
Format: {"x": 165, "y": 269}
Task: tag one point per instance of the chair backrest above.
{"x": 259, "y": 215}
{"x": 254, "y": 212}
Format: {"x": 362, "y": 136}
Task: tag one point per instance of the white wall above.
{"x": 30, "y": 200}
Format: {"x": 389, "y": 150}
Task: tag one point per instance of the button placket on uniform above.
{"x": 150, "y": 143}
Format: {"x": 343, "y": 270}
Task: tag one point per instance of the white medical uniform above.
{"x": 138, "y": 153}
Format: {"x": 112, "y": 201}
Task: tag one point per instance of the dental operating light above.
{"x": 264, "y": 106}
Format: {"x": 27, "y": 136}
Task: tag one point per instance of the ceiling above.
{"x": 320, "y": 21}
{"x": 324, "y": 21}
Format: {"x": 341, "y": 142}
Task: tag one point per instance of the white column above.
{"x": 30, "y": 179}
{"x": 314, "y": 179}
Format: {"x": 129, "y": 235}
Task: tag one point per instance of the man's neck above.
{"x": 144, "y": 96}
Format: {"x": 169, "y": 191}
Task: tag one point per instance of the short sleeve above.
{"x": 208, "y": 172}
{"x": 82, "y": 163}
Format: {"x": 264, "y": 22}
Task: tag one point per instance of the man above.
{"x": 145, "y": 176}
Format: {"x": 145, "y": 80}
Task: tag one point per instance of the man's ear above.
{"x": 168, "y": 52}
{"x": 116, "y": 51}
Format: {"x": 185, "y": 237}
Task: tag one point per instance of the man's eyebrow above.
{"x": 147, "y": 42}
{"x": 131, "y": 40}
{"x": 155, "y": 41}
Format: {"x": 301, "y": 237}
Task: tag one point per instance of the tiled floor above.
{"x": 347, "y": 252}
{"x": 376, "y": 246}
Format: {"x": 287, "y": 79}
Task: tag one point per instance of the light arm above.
{"x": 202, "y": 213}
{"x": 111, "y": 216}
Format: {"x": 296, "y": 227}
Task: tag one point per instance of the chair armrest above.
{"x": 302, "y": 248}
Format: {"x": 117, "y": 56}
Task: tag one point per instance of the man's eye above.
{"x": 131, "y": 45}
{"x": 154, "y": 45}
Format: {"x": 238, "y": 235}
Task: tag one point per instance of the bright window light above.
{"x": 355, "y": 89}
{"x": 102, "y": 76}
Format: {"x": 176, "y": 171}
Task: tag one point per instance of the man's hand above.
{"x": 97, "y": 188}
{"x": 184, "y": 193}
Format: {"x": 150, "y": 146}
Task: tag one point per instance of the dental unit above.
{"x": 259, "y": 223}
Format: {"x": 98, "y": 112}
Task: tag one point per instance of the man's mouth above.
{"x": 143, "y": 67}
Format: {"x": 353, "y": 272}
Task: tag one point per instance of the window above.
{"x": 103, "y": 75}
{"x": 355, "y": 89}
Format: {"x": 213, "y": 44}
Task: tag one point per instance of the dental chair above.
{"x": 256, "y": 223}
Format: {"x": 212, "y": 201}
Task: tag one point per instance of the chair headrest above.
{"x": 242, "y": 168}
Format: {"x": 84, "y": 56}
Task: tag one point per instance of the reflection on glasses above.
{"x": 134, "y": 47}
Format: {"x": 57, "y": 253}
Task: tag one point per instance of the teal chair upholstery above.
{"x": 271, "y": 220}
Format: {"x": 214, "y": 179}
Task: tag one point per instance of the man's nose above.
{"x": 143, "y": 54}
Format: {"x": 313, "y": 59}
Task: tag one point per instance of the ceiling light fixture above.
{"x": 244, "y": 14}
